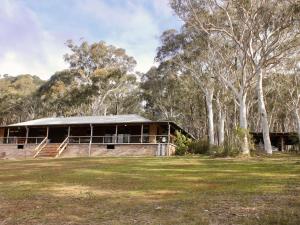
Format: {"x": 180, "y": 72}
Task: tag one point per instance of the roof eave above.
{"x": 111, "y": 123}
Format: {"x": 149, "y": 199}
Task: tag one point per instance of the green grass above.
{"x": 179, "y": 190}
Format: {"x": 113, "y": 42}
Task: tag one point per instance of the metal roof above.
{"x": 132, "y": 118}
{"x": 83, "y": 120}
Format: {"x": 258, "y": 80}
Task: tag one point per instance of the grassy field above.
{"x": 187, "y": 190}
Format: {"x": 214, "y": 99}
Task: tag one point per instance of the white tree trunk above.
{"x": 221, "y": 121}
{"x": 298, "y": 124}
{"x": 263, "y": 114}
{"x": 221, "y": 127}
{"x": 244, "y": 124}
{"x": 210, "y": 116}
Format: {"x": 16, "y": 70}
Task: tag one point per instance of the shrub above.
{"x": 227, "y": 150}
{"x": 233, "y": 143}
{"x": 182, "y": 143}
{"x": 199, "y": 147}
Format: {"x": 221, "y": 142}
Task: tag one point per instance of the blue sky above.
{"x": 33, "y": 32}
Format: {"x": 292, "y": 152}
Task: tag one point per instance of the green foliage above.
{"x": 231, "y": 146}
{"x": 16, "y": 95}
{"x": 236, "y": 140}
{"x": 182, "y": 144}
{"x": 199, "y": 147}
{"x": 100, "y": 80}
{"x": 105, "y": 75}
{"x": 227, "y": 150}
{"x": 233, "y": 143}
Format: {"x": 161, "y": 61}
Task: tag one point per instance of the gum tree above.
{"x": 262, "y": 34}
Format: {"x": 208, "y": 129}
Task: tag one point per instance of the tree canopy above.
{"x": 233, "y": 68}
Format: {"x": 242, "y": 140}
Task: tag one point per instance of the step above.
{"x": 49, "y": 150}
{"x": 47, "y": 155}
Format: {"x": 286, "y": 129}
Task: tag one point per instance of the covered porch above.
{"x": 153, "y": 133}
{"x": 281, "y": 141}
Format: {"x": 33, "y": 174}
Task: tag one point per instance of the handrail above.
{"x": 111, "y": 139}
{"x": 40, "y": 147}
{"x": 145, "y": 135}
{"x": 62, "y": 147}
{"x": 12, "y": 140}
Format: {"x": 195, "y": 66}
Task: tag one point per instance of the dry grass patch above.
{"x": 183, "y": 190}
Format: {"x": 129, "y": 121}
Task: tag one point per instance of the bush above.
{"x": 231, "y": 146}
{"x": 233, "y": 143}
{"x": 199, "y": 147}
{"x": 182, "y": 143}
{"x": 226, "y": 150}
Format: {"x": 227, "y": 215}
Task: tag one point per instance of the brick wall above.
{"x": 12, "y": 152}
{"x": 73, "y": 150}
{"x": 101, "y": 150}
{"x": 1, "y": 135}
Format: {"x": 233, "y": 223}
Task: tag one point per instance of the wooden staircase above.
{"x": 49, "y": 150}
{"x": 45, "y": 149}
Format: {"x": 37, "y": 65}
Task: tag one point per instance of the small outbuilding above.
{"x": 281, "y": 141}
{"x": 120, "y": 135}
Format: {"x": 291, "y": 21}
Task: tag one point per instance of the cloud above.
{"x": 25, "y": 47}
{"x": 127, "y": 25}
{"x": 133, "y": 24}
{"x": 33, "y": 33}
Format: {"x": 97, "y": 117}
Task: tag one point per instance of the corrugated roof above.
{"x": 132, "y": 118}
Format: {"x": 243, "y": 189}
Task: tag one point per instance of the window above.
{"x": 110, "y": 147}
{"x": 108, "y": 138}
{"x": 146, "y": 129}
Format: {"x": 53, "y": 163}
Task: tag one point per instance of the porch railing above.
{"x": 21, "y": 140}
{"x": 119, "y": 139}
{"x": 62, "y": 147}
{"x": 112, "y": 139}
{"x": 40, "y": 147}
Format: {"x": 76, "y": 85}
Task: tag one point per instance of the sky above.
{"x": 33, "y": 33}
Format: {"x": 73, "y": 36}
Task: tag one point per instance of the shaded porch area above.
{"x": 280, "y": 141}
{"x": 91, "y": 134}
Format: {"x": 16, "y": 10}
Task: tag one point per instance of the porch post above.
{"x": 282, "y": 144}
{"x": 142, "y": 132}
{"x": 91, "y": 139}
{"x": 116, "y": 135}
{"x": 47, "y": 133}
{"x": 27, "y": 133}
{"x": 69, "y": 131}
{"x": 169, "y": 139}
{"x": 7, "y": 136}
{"x": 169, "y": 132}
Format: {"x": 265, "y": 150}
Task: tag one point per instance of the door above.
{"x": 161, "y": 150}
{"x": 57, "y": 134}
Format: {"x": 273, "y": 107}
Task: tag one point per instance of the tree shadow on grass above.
{"x": 147, "y": 191}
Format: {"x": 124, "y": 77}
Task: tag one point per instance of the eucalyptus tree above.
{"x": 104, "y": 69}
{"x": 261, "y": 32}
{"x": 161, "y": 90}
{"x": 16, "y": 98}
{"x": 292, "y": 97}
{"x": 62, "y": 95}
{"x": 191, "y": 53}
{"x": 167, "y": 94}
{"x": 196, "y": 15}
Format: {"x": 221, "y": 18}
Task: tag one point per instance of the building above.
{"x": 281, "y": 141}
{"x": 121, "y": 135}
